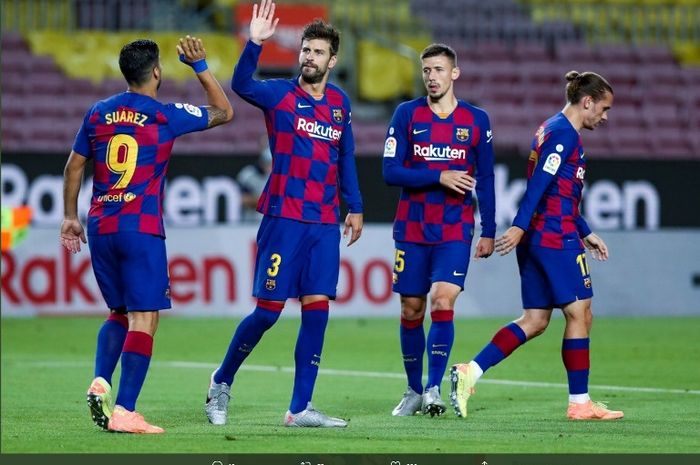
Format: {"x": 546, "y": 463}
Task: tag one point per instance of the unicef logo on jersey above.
{"x": 120, "y": 197}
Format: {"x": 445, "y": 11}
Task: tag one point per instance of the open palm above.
{"x": 263, "y": 22}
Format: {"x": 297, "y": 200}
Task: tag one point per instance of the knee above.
{"x": 440, "y": 302}
{"x": 533, "y": 326}
{"x": 412, "y": 311}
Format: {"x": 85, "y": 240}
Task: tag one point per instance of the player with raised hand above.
{"x": 129, "y": 136}
{"x": 298, "y": 256}
{"x": 549, "y": 235}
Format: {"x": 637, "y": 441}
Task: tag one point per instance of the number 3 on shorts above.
{"x": 275, "y": 260}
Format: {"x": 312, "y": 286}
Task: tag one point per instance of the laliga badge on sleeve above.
{"x": 390, "y": 147}
{"x": 551, "y": 164}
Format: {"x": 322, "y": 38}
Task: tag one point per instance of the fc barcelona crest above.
{"x": 270, "y": 284}
{"x": 462, "y": 134}
{"x": 338, "y": 115}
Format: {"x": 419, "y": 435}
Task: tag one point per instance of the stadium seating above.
{"x": 512, "y": 56}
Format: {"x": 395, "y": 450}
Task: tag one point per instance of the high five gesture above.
{"x": 263, "y": 23}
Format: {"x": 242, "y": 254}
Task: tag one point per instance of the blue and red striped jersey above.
{"x": 313, "y": 150}
{"x": 129, "y": 136}
{"x": 420, "y": 145}
{"x": 549, "y": 210}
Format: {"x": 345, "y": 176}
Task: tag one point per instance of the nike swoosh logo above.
{"x": 416, "y": 131}
{"x": 299, "y": 105}
{"x": 454, "y": 273}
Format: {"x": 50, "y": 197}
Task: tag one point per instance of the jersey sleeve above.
{"x": 485, "y": 190}
{"x": 555, "y": 149}
{"x": 582, "y": 227}
{"x": 397, "y": 149}
{"x": 262, "y": 94}
{"x": 184, "y": 118}
{"x": 81, "y": 144}
{"x": 347, "y": 170}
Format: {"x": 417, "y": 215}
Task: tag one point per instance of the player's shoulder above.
{"x": 558, "y": 122}
{"x": 334, "y": 92}
{"x": 410, "y": 106}
{"x": 477, "y": 111}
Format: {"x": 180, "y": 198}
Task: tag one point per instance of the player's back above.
{"x": 557, "y": 150}
{"x": 130, "y": 137}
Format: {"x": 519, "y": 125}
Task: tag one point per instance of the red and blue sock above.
{"x": 576, "y": 356}
{"x": 246, "y": 337}
{"x": 307, "y": 354}
{"x": 504, "y": 342}
{"x": 136, "y": 356}
{"x": 440, "y": 339}
{"x": 412, "y": 338}
{"x": 110, "y": 341}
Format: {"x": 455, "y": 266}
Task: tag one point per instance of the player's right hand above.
{"x": 458, "y": 181}
{"x": 263, "y": 23}
{"x": 509, "y": 240}
{"x": 191, "y": 49}
{"x": 72, "y": 233}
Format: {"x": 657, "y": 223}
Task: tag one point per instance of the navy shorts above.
{"x": 552, "y": 277}
{"x": 131, "y": 269}
{"x": 418, "y": 266}
{"x": 295, "y": 259}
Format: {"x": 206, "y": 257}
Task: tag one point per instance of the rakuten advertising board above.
{"x": 211, "y": 275}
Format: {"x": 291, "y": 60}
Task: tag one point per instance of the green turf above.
{"x": 47, "y": 365}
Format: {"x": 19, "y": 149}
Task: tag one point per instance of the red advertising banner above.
{"x": 282, "y": 49}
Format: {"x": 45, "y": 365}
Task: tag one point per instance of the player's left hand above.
{"x": 595, "y": 244}
{"x": 353, "y": 222}
{"x": 191, "y": 49}
{"x": 72, "y": 233}
{"x": 484, "y": 248}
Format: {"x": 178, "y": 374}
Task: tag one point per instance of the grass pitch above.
{"x": 648, "y": 367}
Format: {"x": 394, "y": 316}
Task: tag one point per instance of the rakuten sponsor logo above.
{"x": 317, "y": 130}
{"x": 433, "y": 153}
{"x": 65, "y": 283}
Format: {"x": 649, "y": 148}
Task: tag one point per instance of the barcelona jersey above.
{"x": 549, "y": 210}
{"x": 311, "y": 142}
{"x": 129, "y": 136}
{"x": 420, "y": 145}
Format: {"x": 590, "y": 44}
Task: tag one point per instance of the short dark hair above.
{"x": 588, "y": 83}
{"x": 319, "y": 29}
{"x": 137, "y": 59}
{"x": 434, "y": 50}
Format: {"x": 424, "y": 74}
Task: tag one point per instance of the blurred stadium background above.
{"x": 58, "y": 57}
{"x": 642, "y": 197}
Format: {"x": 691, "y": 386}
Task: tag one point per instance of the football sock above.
{"x": 136, "y": 356}
{"x": 504, "y": 342}
{"x": 576, "y": 356}
{"x": 246, "y": 337}
{"x": 110, "y": 341}
{"x": 440, "y": 339}
{"x": 307, "y": 354}
{"x": 412, "y": 338}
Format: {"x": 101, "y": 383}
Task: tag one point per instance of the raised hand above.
{"x": 263, "y": 23}
{"x": 191, "y": 49}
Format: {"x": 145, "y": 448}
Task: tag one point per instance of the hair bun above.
{"x": 572, "y": 75}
